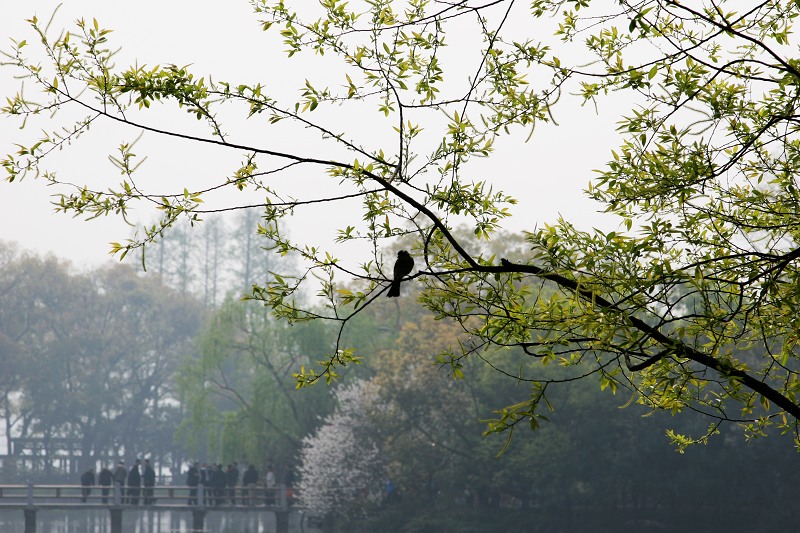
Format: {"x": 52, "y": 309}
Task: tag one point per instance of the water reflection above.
{"x": 147, "y": 521}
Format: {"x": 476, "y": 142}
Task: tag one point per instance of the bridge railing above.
{"x": 160, "y": 495}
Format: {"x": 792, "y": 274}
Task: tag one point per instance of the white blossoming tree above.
{"x": 340, "y": 463}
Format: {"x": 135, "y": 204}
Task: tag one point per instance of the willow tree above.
{"x": 692, "y": 303}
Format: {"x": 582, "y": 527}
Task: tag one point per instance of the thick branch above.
{"x": 676, "y": 347}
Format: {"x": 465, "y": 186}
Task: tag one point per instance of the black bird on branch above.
{"x": 402, "y": 268}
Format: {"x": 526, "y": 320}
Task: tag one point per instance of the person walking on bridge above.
{"x": 134, "y": 483}
{"x": 192, "y": 481}
{"x": 270, "y": 486}
{"x": 232, "y": 475}
{"x": 120, "y": 475}
{"x": 87, "y": 480}
{"x": 105, "y": 479}
{"x": 149, "y": 480}
{"x": 250, "y": 480}
{"x": 219, "y": 480}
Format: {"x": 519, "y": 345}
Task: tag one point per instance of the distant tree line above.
{"x": 91, "y": 356}
{"x": 105, "y": 355}
{"x": 223, "y": 255}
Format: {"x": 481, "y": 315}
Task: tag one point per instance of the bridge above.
{"x": 199, "y": 501}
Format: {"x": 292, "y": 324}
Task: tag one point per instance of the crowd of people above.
{"x": 134, "y": 485}
{"x": 221, "y": 485}
{"x": 209, "y": 484}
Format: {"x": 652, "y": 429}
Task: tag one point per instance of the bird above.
{"x": 402, "y": 268}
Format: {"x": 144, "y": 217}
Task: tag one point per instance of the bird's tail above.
{"x": 394, "y": 290}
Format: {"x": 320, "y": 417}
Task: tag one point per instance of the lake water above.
{"x": 148, "y": 521}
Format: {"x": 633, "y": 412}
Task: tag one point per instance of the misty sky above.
{"x": 224, "y": 39}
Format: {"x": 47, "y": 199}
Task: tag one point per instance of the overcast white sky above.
{"x": 223, "y": 38}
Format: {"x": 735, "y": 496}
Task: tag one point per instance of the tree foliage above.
{"x": 592, "y": 466}
{"x": 92, "y": 357}
{"x": 691, "y": 304}
{"x": 392, "y": 427}
{"x": 238, "y": 391}
{"x": 224, "y": 256}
